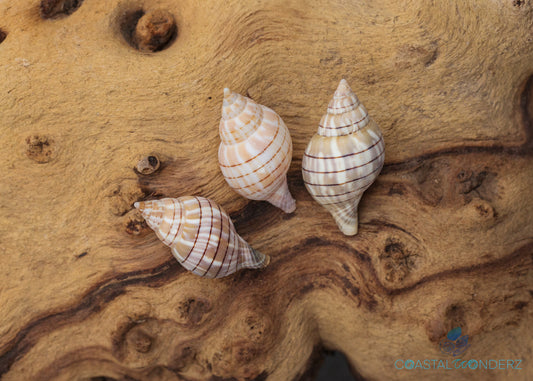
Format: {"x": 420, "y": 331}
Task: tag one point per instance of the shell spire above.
{"x": 345, "y": 114}
{"x": 201, "y": 236}
{"x": 344, "y": 99}
{"x": 343, "y": 158}
{"x": 156, "y": 212}
{"x": 233, "y": 128}
{"x": 255, "y": 151}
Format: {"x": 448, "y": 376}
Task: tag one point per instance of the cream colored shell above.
{"x": 344, "y": 158}
{"x": 201, "y": 236}
{"x": 255, "y": 151}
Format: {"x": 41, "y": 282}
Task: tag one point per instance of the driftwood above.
{"x": 87, "y": 292}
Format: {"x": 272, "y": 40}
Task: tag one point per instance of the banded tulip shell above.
{"x": 200, "y": 235}
{"x": 255, "y": 151}
{"x": 344, "y": 158}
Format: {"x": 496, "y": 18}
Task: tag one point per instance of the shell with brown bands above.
{"x": 343, "y": 158}
{"x": 255, "y": 151}
{"x": 200, "y": 235}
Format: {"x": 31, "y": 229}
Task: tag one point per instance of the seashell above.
{"x": 200, "y": 235}
{"x": 343, "y": 158}
{"x": 255, "y": 151}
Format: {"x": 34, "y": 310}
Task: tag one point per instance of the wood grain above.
{"x": 446, "y": 233}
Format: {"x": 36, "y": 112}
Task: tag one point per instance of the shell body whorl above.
{"x": 343, "y": 158}
{"x": 201, "y": 236}
{"x": 255, "y": 151}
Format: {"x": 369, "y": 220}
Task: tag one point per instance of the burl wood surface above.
{"x": 87, "y": 291}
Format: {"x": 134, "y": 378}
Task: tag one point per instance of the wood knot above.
{"x": 154, "y": 31}
{"x": 397, "y": 260}
{"x": 40, "y": 148}
{"x": 3, "y": 36}
{"x": 256, "y": 327}
{"x": 139, "y": 340}
{"x": 193, "y": 311}
{"x": 122, "y": 197}
{"x": 150, "y": 31}
{"x": 470, "y": 180}
{"x": 58, "y": 8}
{"x": 476, "y": 183}
{"x": 480, "y": 210}
{"x": 148, "y": 165}
{"x": 135, "y": 223}
{"x": 429, "y": 177}
{"x": 237, "y": 360}
{"x": 245, "y": 352}
{"x": 183, "y": 356}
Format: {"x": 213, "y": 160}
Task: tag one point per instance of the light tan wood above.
{"x": 445, "y": 236}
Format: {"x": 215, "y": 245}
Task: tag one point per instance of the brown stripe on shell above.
{"x": 342, "y": 194}
{"x": 178, "y": 229}
{"x": 173, "y": 216}
{"x": 208, "y": 238}
{"x": 346, "y": 182}
{"x": 270, "y": 183}
{"x": 218, "y": 243}
{"x": 350, "y": 105}
{"x": 231, "y": 236}
{"x": 272, "y": 158}
{"x": 197, "y": 231}
{"x": 259, "y": 154}
{"x": 267, "y": 176}
{"x": 348, "y": 169}
{"x": 346, "y": 125}
{"x": 234, "y": 247}
{"x": 348, "y": 154}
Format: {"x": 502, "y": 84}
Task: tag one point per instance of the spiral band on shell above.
{"x": 201, "y": 236}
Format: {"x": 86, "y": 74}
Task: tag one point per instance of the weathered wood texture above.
{"x": 446, "y": 233}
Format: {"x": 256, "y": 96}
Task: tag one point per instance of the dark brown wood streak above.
{"x": 90, "y": 303}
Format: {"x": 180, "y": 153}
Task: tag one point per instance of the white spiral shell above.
{"x": 344, "y": 158}
{"x": 201, "y": 236}
{"x": 255, "y": 151}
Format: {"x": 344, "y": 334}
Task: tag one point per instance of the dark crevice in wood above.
{"x": 314, "y": 362}
{"x": 58, "y": 8}
{"x": 526, "y": 110}
{"x": 81, "y": 255}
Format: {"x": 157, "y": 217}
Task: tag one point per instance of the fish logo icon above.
{"x": 454, "y": 344}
